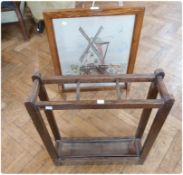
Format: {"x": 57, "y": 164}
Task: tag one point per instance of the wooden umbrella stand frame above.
{"x": 100, "y": 149}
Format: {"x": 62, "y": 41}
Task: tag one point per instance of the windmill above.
{"x": 93, "y": 57}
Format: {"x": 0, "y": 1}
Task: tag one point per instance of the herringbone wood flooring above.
{"x": 22, "y": 149}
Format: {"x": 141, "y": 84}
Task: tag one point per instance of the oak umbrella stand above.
{"x": 99, "y": 149}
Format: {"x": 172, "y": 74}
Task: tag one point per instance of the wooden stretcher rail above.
{"x": 108, "y": 104}
{"x": 118, "y": 90}
{"x": 100, "y": 78}
{"x": 96, "y": 139}
{"x": 77, "y": 91}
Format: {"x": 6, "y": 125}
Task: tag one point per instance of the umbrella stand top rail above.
{"x": 156, "y": 77}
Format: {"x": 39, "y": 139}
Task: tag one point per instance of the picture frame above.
{"x": 80, "y": 38}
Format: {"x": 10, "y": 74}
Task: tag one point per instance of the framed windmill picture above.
{"x": 93, "y": 42}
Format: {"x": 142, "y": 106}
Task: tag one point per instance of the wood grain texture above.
{"x": 99, "y": 78}
{"x": 135, "y": 41}
{"x": 108, "y": 104}
{"x": 52, "y": 44}
{"x": 156, "y": 126}
{"x": 160, "y": 45}
{"x": 83, "y": 12}
{"x": 153, "y": 92}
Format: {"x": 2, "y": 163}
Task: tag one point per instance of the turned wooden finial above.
{"x": 36, "y": 75}
{"x": 159, "y": 72}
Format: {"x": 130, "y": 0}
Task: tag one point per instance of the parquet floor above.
{"x": 22, "y": 149}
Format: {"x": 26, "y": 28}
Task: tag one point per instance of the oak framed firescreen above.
{"x": 128, "y": 149}
{"x": 86, "y": 41}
